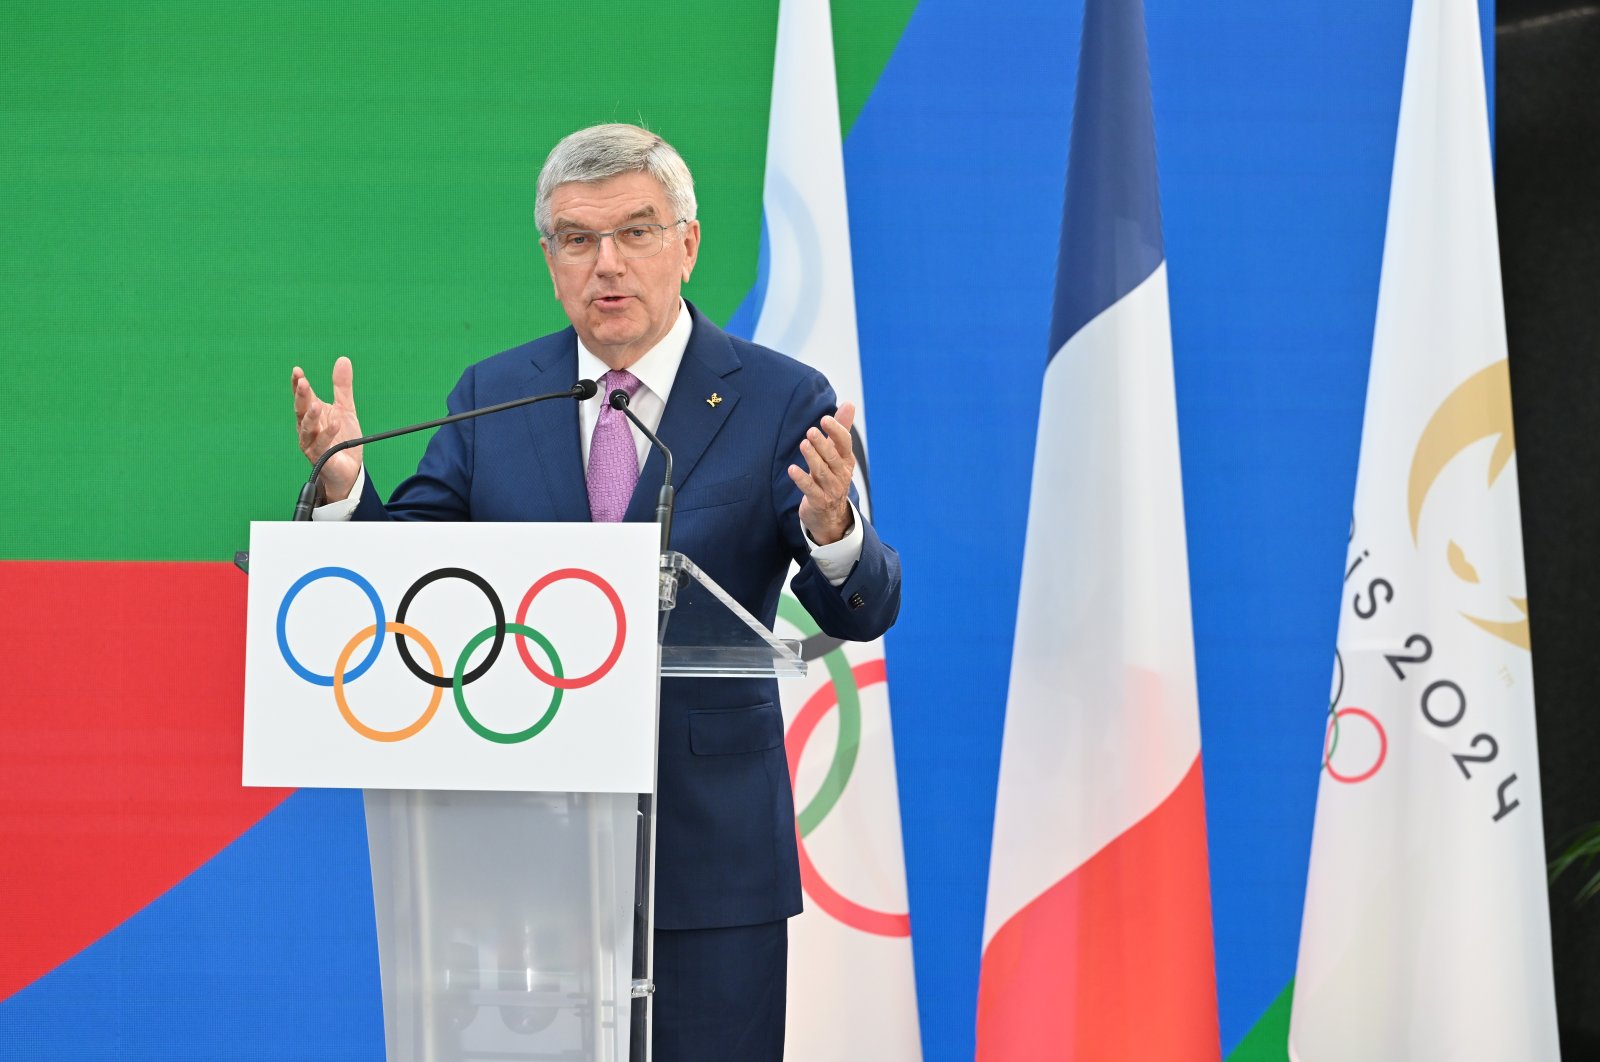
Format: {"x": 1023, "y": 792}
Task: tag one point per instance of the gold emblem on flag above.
{"x": 1480, "y": 408}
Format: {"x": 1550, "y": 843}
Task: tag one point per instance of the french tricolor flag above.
{"x": 1097, "y": 939}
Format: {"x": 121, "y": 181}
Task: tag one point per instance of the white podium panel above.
{"x": 517, "y": 657}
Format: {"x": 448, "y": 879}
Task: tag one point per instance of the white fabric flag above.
{"x": 1426, "y": 933}
{"x": 852, "y": 993}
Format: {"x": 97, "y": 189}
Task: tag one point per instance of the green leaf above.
{"x": 1581, "y": 852}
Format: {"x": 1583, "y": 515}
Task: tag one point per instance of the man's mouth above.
{"x": 612, "y": 300}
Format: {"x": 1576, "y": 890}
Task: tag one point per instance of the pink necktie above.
{"x": 613, "y": 457}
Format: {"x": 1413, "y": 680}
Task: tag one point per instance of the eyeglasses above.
{"x": 631, "y": 241}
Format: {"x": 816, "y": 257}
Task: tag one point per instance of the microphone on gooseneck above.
{"x": 619, "y": 400}
{"x": 582, "y": 390}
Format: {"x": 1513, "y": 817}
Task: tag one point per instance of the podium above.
{"x": 515, "y": 924}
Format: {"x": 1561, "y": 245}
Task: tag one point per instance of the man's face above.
{"x": 620, "y": 306}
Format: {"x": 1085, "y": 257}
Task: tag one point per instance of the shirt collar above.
{"x": 658, "y": 367}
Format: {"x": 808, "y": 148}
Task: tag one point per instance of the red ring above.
{"x": 580, "y": 681}
{"x": 880, "y": 923}
{"x": 1383, "y": 746}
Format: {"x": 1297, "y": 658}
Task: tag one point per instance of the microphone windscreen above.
{"x": 584, "y": 390}
{"x": 619, "y": 398}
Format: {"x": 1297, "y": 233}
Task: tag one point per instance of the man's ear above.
{"x": 550, "y": 264}
{"x": 691, "y": 248}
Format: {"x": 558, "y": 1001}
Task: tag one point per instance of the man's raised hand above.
{"x": 825, "y": 481}
{"x": 321, "y": 424}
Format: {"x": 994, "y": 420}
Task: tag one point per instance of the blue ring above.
{"x": 283, "y": 617}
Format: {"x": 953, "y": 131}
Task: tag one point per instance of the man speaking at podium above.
{"x": 763, "y": 464}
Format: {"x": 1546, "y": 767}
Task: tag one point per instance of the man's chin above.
{"x": 612, "y": 335}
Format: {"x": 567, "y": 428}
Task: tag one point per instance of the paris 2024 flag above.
{"x": 1426, "y": 933}
{"x": 1097, "y": 939}
{"x": 852, "y": 991}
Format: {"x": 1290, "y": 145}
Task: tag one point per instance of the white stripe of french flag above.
{"x": 1097, "y": 939}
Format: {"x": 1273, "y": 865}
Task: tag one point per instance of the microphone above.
{"x": 582, "y": 390}
{"x": 619, "y": 400}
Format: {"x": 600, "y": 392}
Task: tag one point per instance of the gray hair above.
{"x": 604, "y": 151}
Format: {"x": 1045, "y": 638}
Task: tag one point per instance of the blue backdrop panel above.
{"x": 956, "y": 170}
{"x": 1276, "y": 132}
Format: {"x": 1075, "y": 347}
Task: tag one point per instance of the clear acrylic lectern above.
{"x": 515, "y": 926}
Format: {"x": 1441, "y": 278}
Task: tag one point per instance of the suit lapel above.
{"x": 553, "y": 427}
{"x": 690, "y": 421}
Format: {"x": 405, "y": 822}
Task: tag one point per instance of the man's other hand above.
{"x": 825, "y": 481}
{"x": 321, "y": 424}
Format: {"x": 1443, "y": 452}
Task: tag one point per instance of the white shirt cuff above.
{"x": 837, "y": 559}
{"x": 343, "y": 510}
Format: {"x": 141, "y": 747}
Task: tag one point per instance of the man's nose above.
{"x": 608, "y": 260}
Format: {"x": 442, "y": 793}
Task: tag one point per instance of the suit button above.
{"x": 857, "y": 601}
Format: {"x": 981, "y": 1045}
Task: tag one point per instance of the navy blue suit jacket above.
{"x": 725, "y": 813}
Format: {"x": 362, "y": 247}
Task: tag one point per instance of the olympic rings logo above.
{"x": 842, "y": 693}
{"x": 459, "y": 677}
{"x": 1330, "y": 741}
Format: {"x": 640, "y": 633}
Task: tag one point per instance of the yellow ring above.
{"x": 338, "y": 682}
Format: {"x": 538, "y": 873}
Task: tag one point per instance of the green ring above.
{"x": 461, "y": 697}
{"x": 849, "y": 742}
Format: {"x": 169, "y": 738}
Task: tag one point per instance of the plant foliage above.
{"x": 1583, "y": 853}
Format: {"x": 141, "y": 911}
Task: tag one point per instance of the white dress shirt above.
{"x": 656, "y": 370}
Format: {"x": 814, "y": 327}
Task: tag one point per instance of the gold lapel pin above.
{"x": 714, "y": 400}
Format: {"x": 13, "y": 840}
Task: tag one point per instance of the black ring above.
{"x": 499, "y": 626}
